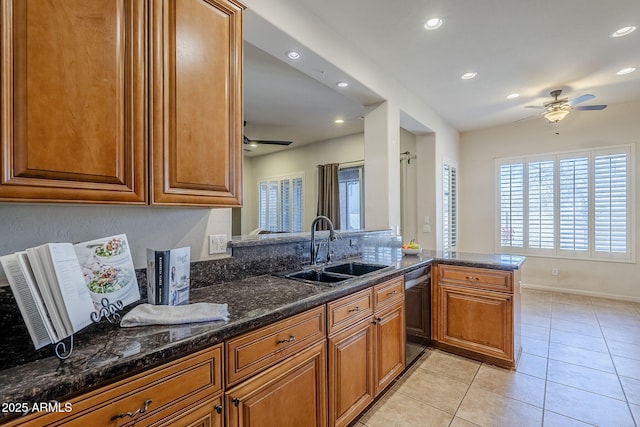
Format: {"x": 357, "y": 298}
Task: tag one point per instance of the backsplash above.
{"x": 250, "y": 256}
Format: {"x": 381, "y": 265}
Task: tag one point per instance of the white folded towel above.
{"x": 148, "y": 314}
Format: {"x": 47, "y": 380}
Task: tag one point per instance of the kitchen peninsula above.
{"x": 105, "y": 355}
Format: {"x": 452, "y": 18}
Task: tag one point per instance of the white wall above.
{"x": 409, "y": 181}
{"x": 618, "y": 124}
{"x": 303, "y": 159}
{"x": 27, "y": 225}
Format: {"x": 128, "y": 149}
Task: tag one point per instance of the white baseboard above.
{"x": 580, "y": 292}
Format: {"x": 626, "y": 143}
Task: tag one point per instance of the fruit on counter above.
{"x": 411, "y": 245}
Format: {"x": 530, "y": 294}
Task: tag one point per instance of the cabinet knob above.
{"x": 218, "y": 409}
{"x": 290, "y": 339}
{"x": 235, "y": 401}
{"x": 135, "y": 413}
{"x": 392, "y": 293}
{"x": 356, "y": 308}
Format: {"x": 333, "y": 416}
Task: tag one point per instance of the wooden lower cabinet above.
{"x": 476, "y": 320}
{"x": 390, "y": 345}
{"x": 289, "y": 394}
{"x": 476, "y": 313}
{"x": 351, "y": 361}
{"x": 184, "y": 392}
{"x": 366, "y": 355}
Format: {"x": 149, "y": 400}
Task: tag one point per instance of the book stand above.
{"x": 109, "y": 311}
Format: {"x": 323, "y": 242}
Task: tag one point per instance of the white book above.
{"x": 26, "y": 300}
{"x": 59, "y": 285}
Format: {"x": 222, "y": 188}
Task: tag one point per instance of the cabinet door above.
{"x": 290, "y": 394}
{"x": 418, "y": 312}
{"x": 476, "y": 320}
{"x": 206, "y": 413}
{"x": 390, "y": 345}
{"x": 196, "y": 93}
{"x": 351, "y": 385}
{"x": 73, "y": 101}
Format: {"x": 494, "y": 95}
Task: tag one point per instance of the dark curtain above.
{"x": 329, "y": 195}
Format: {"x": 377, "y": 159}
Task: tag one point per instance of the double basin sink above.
{"x": 333, "y": 274}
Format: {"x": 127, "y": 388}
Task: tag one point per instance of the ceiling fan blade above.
{"x": 580, "y": 99}
{"x": 591, "y": 107}
{"x": 534, "y": 106}
{"x": 272, "y": 142}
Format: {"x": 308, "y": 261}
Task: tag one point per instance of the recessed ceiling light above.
{"x": 468, "y": 76}
{"x": 513, "y": 95}
{"x": 338, "y": 121}
{"x": 626, "y": 71}
{"x": 624, "y": 31}
{"x": 433, "y": 23}
{"x": 292, "y": 54}
{"x": 342, "y": 84}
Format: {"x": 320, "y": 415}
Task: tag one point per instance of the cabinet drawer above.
{"x": 176, "y": 385}
{"x": 257, "y": 350}
{"x": 481, "y": 278}
{"x": 347, "y": 310}
{"x": 388, "y": 292}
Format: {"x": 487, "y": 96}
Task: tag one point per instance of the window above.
{"x": 351, "y": 183}
{"x": 449, "y": 208}
{"x": 280, "y": 203}
{"x": 574, "y": 205}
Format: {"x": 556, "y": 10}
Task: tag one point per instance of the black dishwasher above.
{"x": 417, "y": 303}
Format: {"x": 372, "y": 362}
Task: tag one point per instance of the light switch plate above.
{"x": 217, "y": 244}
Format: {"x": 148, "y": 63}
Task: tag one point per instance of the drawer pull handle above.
{"x": 392, "y": 293}
{"x": 473, "y": 279}
{"x": 290, "y": 339}
{"x": 218, "y": 409}
{"x": 356, "y": 308}
{"x": 137, "y": 411}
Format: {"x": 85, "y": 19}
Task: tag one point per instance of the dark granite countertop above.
{"x": 104, "y": 353}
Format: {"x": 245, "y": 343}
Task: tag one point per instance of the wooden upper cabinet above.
{"x": 73, "y": 97}
{"x": 196, "y": 99}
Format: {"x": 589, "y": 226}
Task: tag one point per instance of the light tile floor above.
{"x": 580, "y": 366}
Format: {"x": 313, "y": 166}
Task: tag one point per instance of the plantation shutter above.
{"x": 610, "y": 200}
{"x": 541, "y": 205}
{"x": 511, "y": 205}
{"x": 574, "y": 204}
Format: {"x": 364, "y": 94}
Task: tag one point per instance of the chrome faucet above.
{"x": 314, "y": 247}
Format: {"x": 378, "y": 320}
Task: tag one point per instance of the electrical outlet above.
{"x": 554, "y": 271}
{"x": 217, "y": 244}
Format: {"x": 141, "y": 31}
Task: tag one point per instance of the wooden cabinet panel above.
{"x": 347, "y": 310}
{"x": 351, "y": 383}
{"x": 160, "y": 394}
{"x": 390, "y": 345}
{"x": 476, "y": 313}
{"x": 290, "y": 394}
{"x": 476, "y": 320}
{"x": 196, "y": 92}
{"x": 257, "y": 350}
{"x": 73, "y": 97}
{"x": 481, "y": 278}
{"x": 206, "y": 413}
{"x": 388, "y": 292}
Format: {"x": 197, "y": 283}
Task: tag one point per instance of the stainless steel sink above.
{"x": 354, "y": 268}
{"x": 330, "y": 275}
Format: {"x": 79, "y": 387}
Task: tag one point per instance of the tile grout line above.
{"x": 606, "y": 343}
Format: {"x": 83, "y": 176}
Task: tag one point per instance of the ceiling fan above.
{"x": 252, "y": 142}
{"x": 558, "y": 109}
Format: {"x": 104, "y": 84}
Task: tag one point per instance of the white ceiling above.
{"x": 523, "y": 46}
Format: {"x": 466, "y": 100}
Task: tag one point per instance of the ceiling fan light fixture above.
{"x": 253, "y": 145}
{"x": 554, "y": 116}
{"x": 624, "y": 31}
{"x": 433, "y": 23}
{"x": 626, "y": 71}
